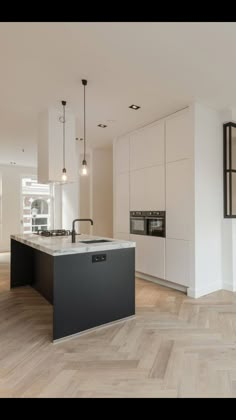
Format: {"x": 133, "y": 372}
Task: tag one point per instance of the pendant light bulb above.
{"x": 84, "y": 168}
{"x": 64, "y": 175}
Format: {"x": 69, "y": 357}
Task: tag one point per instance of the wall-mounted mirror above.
{"x": 229, "y": 130}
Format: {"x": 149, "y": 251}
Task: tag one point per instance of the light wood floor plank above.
{"x": 174, "y": 347}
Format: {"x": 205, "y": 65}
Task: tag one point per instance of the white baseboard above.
{"x": 196, "y": 293}
{"x": 228, "y": 286}
{"x": 165, "y": 283}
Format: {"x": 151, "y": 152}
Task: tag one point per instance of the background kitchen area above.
{"x": 28, "y": 205}
{"x": 154, "y": 175}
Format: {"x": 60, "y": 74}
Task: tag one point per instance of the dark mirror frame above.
{"x": 227, "y": 169}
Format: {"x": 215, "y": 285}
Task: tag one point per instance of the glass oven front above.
{"x": 156, "y": 226}
{"x": 138, "y": 223}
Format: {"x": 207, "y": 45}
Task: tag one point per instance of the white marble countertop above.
{"x": 62, "y": 245}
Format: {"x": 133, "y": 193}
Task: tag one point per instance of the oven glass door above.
{"x": 156, "y": 226}
{"x": 138, "y": 225}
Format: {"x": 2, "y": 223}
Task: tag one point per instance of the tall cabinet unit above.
{"x": 121, "y": 188}
{"x": 153, "y": 170}
{"x": 176, "y": 165}
{"x": 179, "y": 197}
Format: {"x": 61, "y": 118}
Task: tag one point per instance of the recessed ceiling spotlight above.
{"x": 134, "y": 107}
{"x": 102, "y": 125}
{"x": 13, "y": 163}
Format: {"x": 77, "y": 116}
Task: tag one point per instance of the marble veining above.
{"x": 62, "y": 245}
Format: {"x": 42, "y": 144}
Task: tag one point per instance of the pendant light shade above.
{"x": 63, "y": 120}
{"x": 84, "y": 167}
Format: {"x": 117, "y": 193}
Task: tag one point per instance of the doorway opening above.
{"x": 37, "y": 205}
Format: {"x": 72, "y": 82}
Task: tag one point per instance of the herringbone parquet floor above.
{"x": 175, "y": 347}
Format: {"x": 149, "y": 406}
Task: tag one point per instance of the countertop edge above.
{"x": 81, "y": 249}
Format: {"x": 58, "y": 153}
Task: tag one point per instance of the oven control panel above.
{"x": 153, "y": 213}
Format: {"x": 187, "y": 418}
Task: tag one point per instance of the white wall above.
{"x": 102, "y": 192}
{"x": 11, "y": 201}
{"x": 229, "y": 254}
{"x": 70, "y": 194}
{"x": 0, "y": 207}
{"x": 70, "y": 204}
{"x": 96, "y": 193}
{"x": 85, "y": 198}
{"x": 233, "y": 255}
{"x": 208, "y": 153}
{"x": 228, "y": 231}
{"x": 57, "y": 211}
{"x": 50, "y": 146}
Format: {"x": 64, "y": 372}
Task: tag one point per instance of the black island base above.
{"x": 87, "y": 289}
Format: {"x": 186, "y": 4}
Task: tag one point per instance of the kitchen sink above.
{"x": 95, "y": 241}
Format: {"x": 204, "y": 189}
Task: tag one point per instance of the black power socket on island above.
{"x": 99, "y": 258}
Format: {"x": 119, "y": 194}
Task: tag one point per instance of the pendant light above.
{"x": 63, "y": 120}
{"x": 84, "y": 168}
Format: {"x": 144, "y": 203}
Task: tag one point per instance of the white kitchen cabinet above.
{"x": 147, "y": 189}
{"x": 177, "y": 267}
{"x": 122, "y": 203}
{"x": 180, "y": 199}
{"x": 179, "y": 137}
{"x": 157, "y": 163}
{"x": 150, "y": 255}
{"x": 147, "y": 147}
{"x": 122, "y": 154}
{"x": 50, "y": 147}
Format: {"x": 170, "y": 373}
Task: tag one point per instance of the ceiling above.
{"x": 160, "y": 66}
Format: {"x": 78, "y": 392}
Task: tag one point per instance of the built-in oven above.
{"x": 151, "y": 223}
{"x": 138, "y": 225}
{"x": 155, "y": 223}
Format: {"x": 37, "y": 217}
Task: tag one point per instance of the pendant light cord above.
{"x": 64, "y": 129}
{"x": 84, "y": 126}
{"x": 64, "y": 133}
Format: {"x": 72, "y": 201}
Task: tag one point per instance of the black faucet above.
{"x": 73, "y": 233}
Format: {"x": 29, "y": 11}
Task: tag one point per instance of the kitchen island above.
{"x": 90, "y": 283}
